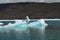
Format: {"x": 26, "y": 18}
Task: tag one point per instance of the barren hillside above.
{"x": 33, "y": 10}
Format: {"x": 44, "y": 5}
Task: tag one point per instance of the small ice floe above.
{"x": 1, "y": 24}
{"x": 20, "y": 24}
{"x": 42, "y": 21}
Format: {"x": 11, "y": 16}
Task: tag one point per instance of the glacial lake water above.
{"x": 51, "y": 32}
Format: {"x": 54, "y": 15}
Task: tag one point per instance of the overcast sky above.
{"x": 14, "y": 1}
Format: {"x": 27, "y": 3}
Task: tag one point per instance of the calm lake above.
{"x": 51, "y": 32}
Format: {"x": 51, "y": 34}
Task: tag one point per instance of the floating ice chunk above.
{"x": 42, "y": 21}
{"x": 1, "y": 23}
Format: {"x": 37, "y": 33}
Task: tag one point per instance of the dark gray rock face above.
{"x": 33, "y": 10}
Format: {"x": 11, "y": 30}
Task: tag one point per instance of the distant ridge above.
{"x": 32, "y": 9}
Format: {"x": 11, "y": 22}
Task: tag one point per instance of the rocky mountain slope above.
{"x": 33, "y": 10}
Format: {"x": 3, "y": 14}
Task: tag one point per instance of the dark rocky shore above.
{"x": 33, "y": 10}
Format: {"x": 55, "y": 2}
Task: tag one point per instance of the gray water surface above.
{"x": 32, "y": 34}
{"x": 51, "y": 32}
